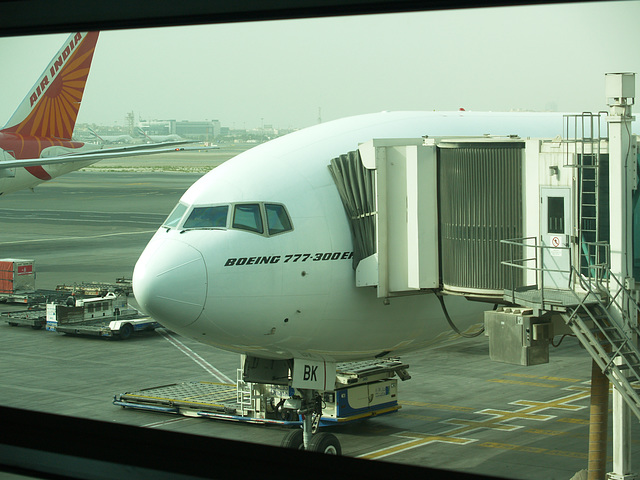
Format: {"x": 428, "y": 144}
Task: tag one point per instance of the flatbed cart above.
{"x": 363, "y": 390}
{"x": 122, "y": 286}
{"x": 34, "y": 298}
{"x": 36, "y": 318}
{"x": 121, "y": 329}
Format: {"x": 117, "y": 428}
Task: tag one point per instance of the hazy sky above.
{"x": 530, "y": 58}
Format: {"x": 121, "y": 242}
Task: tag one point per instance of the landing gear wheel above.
{"x": 326, "y": 443}
{"x": 293, "y": 439}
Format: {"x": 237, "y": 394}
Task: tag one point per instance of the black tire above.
{"x": 293, "y": 439}
{"x": 13, "y": 324}
{"x": 36, "y": 327}
{"x": 125, "y": 331}
{"x": 326, "y": 443}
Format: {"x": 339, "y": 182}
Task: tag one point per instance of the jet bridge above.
{"x": 545, "y": 227}
{"x": 430, "y": 213}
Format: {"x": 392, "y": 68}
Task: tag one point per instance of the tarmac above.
{"x": 460, "y": 411}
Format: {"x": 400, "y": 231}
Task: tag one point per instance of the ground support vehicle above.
{"x": 108, "y": 316}
{"x": 363, "y": 389}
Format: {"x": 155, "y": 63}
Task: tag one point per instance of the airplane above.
{"x": 158, "y": 138}
{"x": 256, "y": 258}
{"x": 112, "y": 138}
{"x": 36, "y": 143}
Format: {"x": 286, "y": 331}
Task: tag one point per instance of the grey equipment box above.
{"x": 517, "y": 337}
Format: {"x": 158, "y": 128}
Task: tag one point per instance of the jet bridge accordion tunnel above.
{"x": 430, "y": 214}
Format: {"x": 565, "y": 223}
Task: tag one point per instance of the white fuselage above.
{"x": 16, "y": 179}
{"x": 293, "y": 294}
{"x": 20, "y": 178}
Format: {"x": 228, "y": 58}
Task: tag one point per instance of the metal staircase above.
{"x": 610, "y": 342}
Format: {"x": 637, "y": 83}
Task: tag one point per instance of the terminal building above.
{"x": 204, "y": 131}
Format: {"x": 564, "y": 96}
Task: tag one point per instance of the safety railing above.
{"x": 595, "y": 273}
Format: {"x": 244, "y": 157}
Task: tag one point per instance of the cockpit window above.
{"x": 174, "y": 217}
{"x": 277, "y": 219}
{"x": 207, "y": 217}
{"x": 247, "y": 217}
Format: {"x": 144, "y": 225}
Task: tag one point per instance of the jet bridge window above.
{"x": 174, "y": 217}
{"x": 248, "y": 217}
{"x": 277, "y": 219}
{"x": 207, "y": 217}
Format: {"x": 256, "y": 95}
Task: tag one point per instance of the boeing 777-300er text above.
{"x": 36, "y": 143}
{"x": 256, "y": 258}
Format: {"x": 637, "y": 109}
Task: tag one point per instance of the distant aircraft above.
{"x": 256, "y": 258}
{"x": 159, "y": 138}
{"x": 36, "y": 143}
{"x": 112, "y": 138}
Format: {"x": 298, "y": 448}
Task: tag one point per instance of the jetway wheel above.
{"x": 326, "y": 443}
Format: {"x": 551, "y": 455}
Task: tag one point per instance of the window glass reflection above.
{"x": 174, "y": 217}
{"x": 248, "y": 217}
{"x": 207, "y": 217}
{"x": 277, "y": 219}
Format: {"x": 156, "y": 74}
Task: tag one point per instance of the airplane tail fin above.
{"x": 95, "y": 134}
{"x": 51, "y": 107}
{"x": 139, "y": 131}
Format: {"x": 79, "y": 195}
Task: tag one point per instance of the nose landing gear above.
{"x": 308, "y": 438}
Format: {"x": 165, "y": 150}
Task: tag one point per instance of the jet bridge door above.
{"x": 390, "y": 186}
{"x": 406, "y": 202}
{"x": 555, "y": 228}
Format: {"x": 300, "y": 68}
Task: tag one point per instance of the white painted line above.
{"x": 165, "y": 422}
{"x": 54, "y": 239}
{"x": 194, "y": 356}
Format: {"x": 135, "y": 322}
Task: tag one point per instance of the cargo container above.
{"x": 17, "y": 278}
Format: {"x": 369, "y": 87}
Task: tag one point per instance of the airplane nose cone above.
{"x": 170, "y": 283}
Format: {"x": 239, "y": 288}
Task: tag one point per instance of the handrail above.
{"x": 595, "y": 274}
{"x": 627, "y": 339}
{"x": 539, "y": 282}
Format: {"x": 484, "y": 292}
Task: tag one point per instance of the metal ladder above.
{"x": 585, "y": 133}
{"x": 244, "y": 394}
{"x": 612, "y": 347}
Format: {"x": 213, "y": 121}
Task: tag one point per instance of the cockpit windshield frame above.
{"x": 266, "y": 219}
{"x": 175, "y": 217}
{"x": 206, "y": 217}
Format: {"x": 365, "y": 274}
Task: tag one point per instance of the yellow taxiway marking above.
{"x": 579, "y": 421}
{"x": 527, "y": 449}
{"x": 520, "y": 382}
{"x": 439, "y": 406}
{"x": 417, "y": 440}
{"x": 530, "y": 410}
{"x": 553, "y": 379}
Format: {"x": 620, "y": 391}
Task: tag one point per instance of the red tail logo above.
{"x": 51, "y": 108}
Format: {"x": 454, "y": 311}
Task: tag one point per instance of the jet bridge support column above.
{"x": 620, "y": 92}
